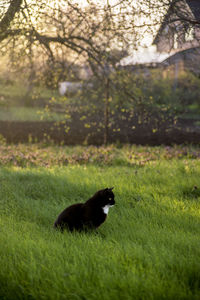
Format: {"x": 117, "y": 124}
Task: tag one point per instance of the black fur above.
{"x": 86, "y": 215}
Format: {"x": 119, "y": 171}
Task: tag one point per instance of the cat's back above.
{"x": 70, "y": 216}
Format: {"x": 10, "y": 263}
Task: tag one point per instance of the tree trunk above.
{"x": 106, "y": 110}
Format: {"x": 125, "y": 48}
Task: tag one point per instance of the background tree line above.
{"x": 40, "y": 38}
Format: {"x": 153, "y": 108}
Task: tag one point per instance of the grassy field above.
{"x": 13, "y": 93}
{"x": 148, "y": 248}
{"x": 21, "y": 113}
{"x": 17, "y": 105}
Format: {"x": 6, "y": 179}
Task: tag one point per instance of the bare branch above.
{"x": 13, "y": 8}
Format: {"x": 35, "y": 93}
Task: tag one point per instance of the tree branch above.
{"x": 13, "y": 8}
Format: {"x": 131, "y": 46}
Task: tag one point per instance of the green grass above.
{"x": 28, "y": 114}
{"x": 14, "y": 91}
{"x": 148, "y": 248}
{"x": 16, "y": 105}
{"x": 11, "y": 90}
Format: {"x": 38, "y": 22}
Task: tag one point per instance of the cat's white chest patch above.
{"x": 106, "y": 208}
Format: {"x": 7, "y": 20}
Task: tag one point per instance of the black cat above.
{"x": 88, "y": 215}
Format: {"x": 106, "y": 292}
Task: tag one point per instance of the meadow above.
{"x": 149, "y": 246}
{"x": 17, "y": 105}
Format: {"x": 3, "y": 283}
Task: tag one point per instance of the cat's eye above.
{"x": 110, "y": 199}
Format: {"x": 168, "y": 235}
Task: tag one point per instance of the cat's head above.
{"x": 107, "y": 197}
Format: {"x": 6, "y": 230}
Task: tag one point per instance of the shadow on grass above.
{"x": 191, "y": 192}
{"x": 39, "y": 197}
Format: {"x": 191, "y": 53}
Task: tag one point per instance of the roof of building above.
{"x": 194, "y": 6}
{"x": 144, "y": 56}
{"x": 190, "y": 58}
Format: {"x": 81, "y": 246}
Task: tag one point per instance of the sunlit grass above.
{"x": 148, "y": 248}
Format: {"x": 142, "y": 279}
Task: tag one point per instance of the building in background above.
{"x": 177, "y": 42}
{"x": 176, "y": 33}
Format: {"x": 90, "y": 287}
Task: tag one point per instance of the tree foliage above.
{"x": 85, "y": 31}
{"x": 54, "y": 35}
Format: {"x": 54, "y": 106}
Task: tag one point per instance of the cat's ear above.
{"x": 108, "y": 190}
{"x": 105, "y": 191}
